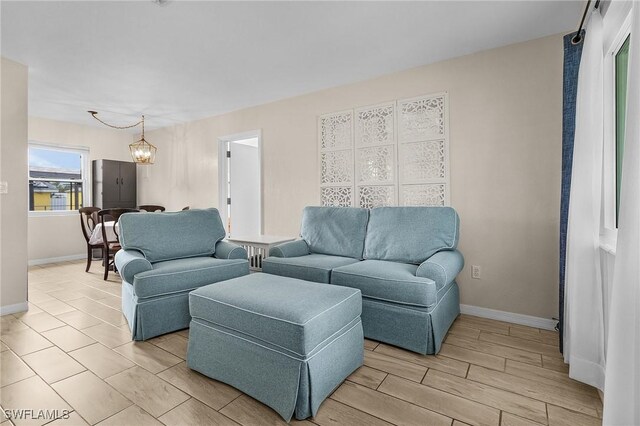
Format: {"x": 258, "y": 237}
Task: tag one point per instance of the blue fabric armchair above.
{"x": 404, "y": 260}
{"x": 166, "y": 255}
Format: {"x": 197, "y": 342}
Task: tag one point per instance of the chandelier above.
{"x": 142, "y": 151}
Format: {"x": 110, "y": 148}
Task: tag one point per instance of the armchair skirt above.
{"x": 157, "y": 301}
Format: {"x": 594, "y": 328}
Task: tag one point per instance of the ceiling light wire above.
{"x": 94, "y": 114}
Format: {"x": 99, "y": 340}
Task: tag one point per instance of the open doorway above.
{"x": 240, "y": 183}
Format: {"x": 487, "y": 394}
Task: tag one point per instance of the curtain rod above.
{"x": 577, "y": 39}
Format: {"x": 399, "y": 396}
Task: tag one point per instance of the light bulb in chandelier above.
{"x": 143, "y": 152}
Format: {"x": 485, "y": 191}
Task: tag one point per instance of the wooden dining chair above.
{"x": 88, "y": 221}
{"x": 152, "y": 208}
{"x": 111, "y": 247}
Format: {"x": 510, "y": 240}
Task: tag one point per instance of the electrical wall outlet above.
{"x": 475, "y": 272}
{"x": 4, "y": 187}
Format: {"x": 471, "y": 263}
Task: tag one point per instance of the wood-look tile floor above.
{"x": 73, "y": 351}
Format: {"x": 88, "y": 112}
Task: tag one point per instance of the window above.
{"x": 621, "y": 65}
{"x": 57, "y": 178}
{"x": 616, "y": 35}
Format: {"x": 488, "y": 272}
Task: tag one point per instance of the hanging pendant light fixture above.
{"x": 142, "y": 151}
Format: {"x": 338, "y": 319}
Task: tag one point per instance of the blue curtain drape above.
{"x": 572, "y": 55}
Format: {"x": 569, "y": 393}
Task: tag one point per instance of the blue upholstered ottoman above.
{"x": 286, "y": 342}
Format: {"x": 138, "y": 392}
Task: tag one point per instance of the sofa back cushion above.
{"x": 410, "y": 234}
{"x": 167, "y": 236}
{"x": 339, "y": 231}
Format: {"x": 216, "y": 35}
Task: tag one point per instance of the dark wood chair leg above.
{"x": 105, "y": 255}
{"x": 89, "y": 258}
{"x": 115, "y": 268}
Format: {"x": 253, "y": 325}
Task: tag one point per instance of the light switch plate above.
{"x": 4, "y": 187}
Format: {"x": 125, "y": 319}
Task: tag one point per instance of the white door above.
{"x": 244, "y": 212}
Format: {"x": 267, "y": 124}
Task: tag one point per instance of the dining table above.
{"x": 96, "y": 235}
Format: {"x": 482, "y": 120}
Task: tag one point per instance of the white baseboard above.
{"x": 12, "y": 309}
{"x": 528, "y": 320}
{"x": 34, "y": 262}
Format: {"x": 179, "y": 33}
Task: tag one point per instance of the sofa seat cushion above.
{"x": 387, "y": 281}
{"x": 290, "y": 314}
{"x": 174, "y": 276}
{"x": 312, "y": 267}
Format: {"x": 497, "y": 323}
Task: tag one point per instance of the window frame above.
{"x": 619, "y": 141}
{"x": 609, "y": 230}
{"x": 85, "y": 172}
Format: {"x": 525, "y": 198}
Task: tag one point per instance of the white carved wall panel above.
{"x": 422, "y": 118}
{"x": 370, "y": 196}
{"x": 423, "y": 161}
{"x": 337, "y": 174}
{"x": 395, "y": 153}
{"x": 337, "y": 167}
{"x": 337, "y": 196}
{"x": 424, "y": 195}
{"x": 375, "y": 125}
{"x": 376, "y": 164}
{"x": 336, "y": 130}
{"x": 423, "y": 147}
{"x": 376, "y": 152}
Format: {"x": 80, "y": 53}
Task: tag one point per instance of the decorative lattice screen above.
{"x": 335, "y": 135}
{"x": 375, "y": 147}
{"x": 423, "y": 146}
{"x": 396, "y": 153}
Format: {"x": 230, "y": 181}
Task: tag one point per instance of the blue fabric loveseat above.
{"x": 403, "y": 259}
{"x": 166, "y": 255}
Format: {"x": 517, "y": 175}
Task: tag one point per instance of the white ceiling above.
{"x": 188, "y": 60}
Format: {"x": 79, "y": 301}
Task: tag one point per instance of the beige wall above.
{"x": 505, "y": 123}
{"x": 52, "y": 237}
{"x": 13, "y": 169}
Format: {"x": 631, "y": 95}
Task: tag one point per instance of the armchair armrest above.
{"x": 130, "y": 263}
{"x": 227, "y": 250}
{"x": 290, "y": 249}
{"x": 442, "y": 267}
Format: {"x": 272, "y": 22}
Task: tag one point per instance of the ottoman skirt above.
{"x": 290, "y": 384}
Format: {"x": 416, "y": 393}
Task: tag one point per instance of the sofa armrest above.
{"x": 290, "y": 249}
{"x": 227, "y": 250}
{"x": 130, "y": 263}
{"x": 442, "y": 267}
